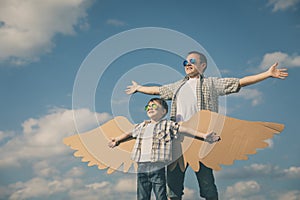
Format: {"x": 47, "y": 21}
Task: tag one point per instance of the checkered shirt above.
{"x": 208, "y": 91}
{"x": 164, "y": 132}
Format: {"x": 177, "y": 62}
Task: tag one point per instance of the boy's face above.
{"x": 155, "y": 111}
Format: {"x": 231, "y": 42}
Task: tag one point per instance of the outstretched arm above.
{"x": 116, "y": 141}
{"x": 210, "y": 137}
{"x": 135, "y": 87}
{"x": 271, "y": 72}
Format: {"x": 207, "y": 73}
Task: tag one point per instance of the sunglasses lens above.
{"x": 193, "y": 60}
{"x": 185, "y": 63}
{"x": 153, "y": 106}
{"x": 146, "y": 108}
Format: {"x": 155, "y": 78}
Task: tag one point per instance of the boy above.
{"x": 153, "y": 148}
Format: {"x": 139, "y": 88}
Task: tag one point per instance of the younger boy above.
{"x": 153, "y": 148}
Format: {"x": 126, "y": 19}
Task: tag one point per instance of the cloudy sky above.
{"x": 64, "y": 65}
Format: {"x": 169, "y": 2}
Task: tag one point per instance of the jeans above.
{"x": 205, "y": 177}
{"x": 151, "y": 176}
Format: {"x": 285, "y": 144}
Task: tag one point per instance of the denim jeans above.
{"x": 205, "y": 177}
{"x": 151, "y": 176}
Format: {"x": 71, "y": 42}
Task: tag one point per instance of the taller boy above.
{"x": 189, "y": 95}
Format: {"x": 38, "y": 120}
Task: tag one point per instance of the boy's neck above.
{"x": 154, "y": 120}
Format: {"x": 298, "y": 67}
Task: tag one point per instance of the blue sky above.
{"x": 45, "y": 47}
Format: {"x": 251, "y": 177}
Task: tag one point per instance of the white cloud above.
{"x": 33, "y": 188}
{"x": 69, "y": 188}
{"x": 270, "y": 143}
{"x": 284, "y": 60}
{"x": 126, "y": 185}
{"x": 42, "y": 137}
{"x": 262, "y": 169}
{"x": 27, "y": 28}
{"x": 115, "y": 22}
{"x": 39, "y": 146}
{"x": 252, "y": 190}
{"x": 256, "y": 170}
{"x": 40, "y": 187}
{"x": 105, "y": 190}
{"x": 6, "y": 135}
{"x": 96, "y": 186}
{"x": 292, "y": 172}
{"x": 242, "y": 189}
{"x": 75, "y": 172}
{"x": 254, "y": 95}
{"x": 44, "y": 169}
{"x": 282, "y": 5}
{"x": 290, "y": 195}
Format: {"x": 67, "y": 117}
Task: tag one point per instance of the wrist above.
{"x": 137, "y": 88}
{"x": 268, "y": 74}
{"x": 117, "y": 141}
{"x": 198, "y": 134}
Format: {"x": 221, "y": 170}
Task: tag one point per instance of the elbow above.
{"x": 242, "y": 83}
{"x": 155, "y": 91}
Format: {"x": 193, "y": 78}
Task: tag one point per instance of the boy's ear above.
{"x": 165, "y": 111}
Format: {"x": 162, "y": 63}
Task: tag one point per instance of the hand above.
{"x": 132, "y": 88}
{"x": 277, "y": 73}
{"x": 211, "y": 137}
{"x": 113, "y": 143}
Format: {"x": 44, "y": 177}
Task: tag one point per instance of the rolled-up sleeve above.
{"x": 225, "y": 86}
{"x": 167, "y": 91}
{"x": 136, "y": 131}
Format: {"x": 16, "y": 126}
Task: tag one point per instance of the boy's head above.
{"x": 156, "y": 108}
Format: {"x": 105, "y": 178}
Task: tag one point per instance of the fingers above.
{"x": 283, "y": 73}
{"x": 134, "y": 83}
{"x": 217, "y": 138}
{"x": 283, "y": 69}
{"x": 212, "y": 137}
{"x": 131, "y": 88}
{"x": 128, "y": 91}
{"x": 275, "y": 64}
{"x": 111, "y": 144}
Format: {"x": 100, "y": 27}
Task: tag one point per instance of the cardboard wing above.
{"x": 92, "y": 146}
{"x": 239, "y": 138}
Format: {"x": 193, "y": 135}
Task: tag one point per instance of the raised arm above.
{"x": 271, "y": 72}
{"x": 209, "y": 137}
{"x": 135, "y": 87}
{"x": 116, "y": 141}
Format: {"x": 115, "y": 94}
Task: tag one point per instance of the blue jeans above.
{"x": 205, "y": 177}
{"x": 151, "y": 176}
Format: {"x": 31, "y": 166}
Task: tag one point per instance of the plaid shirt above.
{"x": 164, "y": 132}
{"x": 208, "y": 91}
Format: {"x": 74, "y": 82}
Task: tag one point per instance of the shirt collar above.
{"x": 149, "y": 121}
{"x": 201, "y": 76}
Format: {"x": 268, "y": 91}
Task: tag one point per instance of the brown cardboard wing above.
{"x": 239, "y": 138}
{"x": 92, "y": 146}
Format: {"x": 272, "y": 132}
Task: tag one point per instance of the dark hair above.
{"x": 162, "y": 102}
{"x": 203, "y": 58}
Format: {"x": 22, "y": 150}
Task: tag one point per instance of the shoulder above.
{"x": 169, "y": 123}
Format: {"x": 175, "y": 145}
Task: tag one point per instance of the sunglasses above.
{"x": 153, "y": 106}
{"x": 192, "y": 61}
